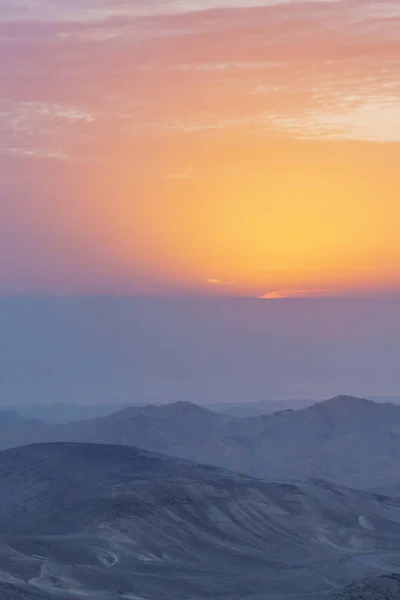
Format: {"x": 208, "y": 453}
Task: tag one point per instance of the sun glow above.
{"x": 247, "y": 151}
{"x": 305, "y": 219}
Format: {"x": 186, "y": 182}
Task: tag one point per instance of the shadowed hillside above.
{"x": 352, "y": 441}
{"x": 103, "y": 522}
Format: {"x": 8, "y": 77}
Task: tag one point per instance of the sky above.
{"x": 240, "y": 157}
{"x": 140, "y": 350}
{"x": 244, "y": 148}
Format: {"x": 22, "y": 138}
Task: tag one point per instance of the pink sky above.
{"x": 162, "y": 146}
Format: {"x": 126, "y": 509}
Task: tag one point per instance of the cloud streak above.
{"x": 281, "y": 294}
{"x": 216, "y": 281}
{"x": 89, "y": 10}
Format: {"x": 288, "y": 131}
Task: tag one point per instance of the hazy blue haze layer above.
{"x": 103, "y": 349}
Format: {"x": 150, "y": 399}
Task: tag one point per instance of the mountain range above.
{"x": 104, "y": 522}
{"x": 261, "y": 407}
{"x": 268, "y": 407}
{"x": 347, "y": 440}
{"x": 62, "y": 412}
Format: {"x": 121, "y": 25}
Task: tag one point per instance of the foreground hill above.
{"x": 386, "y": 587}
{"x": 351, "y": 441}
{"x": 108, "y": 522}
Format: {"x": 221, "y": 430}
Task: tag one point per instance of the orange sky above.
{"x": 251, "y": 151}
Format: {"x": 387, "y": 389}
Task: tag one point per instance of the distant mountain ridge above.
{"x": 66, "y": 412}
{"x": 348, "y": 440}
{"x": 9, "y": 416}
{"x": 268, "y": 407}
{"x": 261, "y": 407}
{"x": 63, "y": 412}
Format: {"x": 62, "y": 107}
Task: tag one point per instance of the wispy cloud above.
{"x": 278, "y": 294}
{"x": 216, "y": 281}
{"x": 375, "y": 119}
{"x": 89, "y": 10}
{"x": 196, "y": 109}
{"x": 41, "y": 128}
{"x": 275, "y": 68}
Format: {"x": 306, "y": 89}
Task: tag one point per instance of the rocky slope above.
{"x": 109, "y": 522}
{"x": 350, "y": 441}
{"x": 386, "y": 587}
